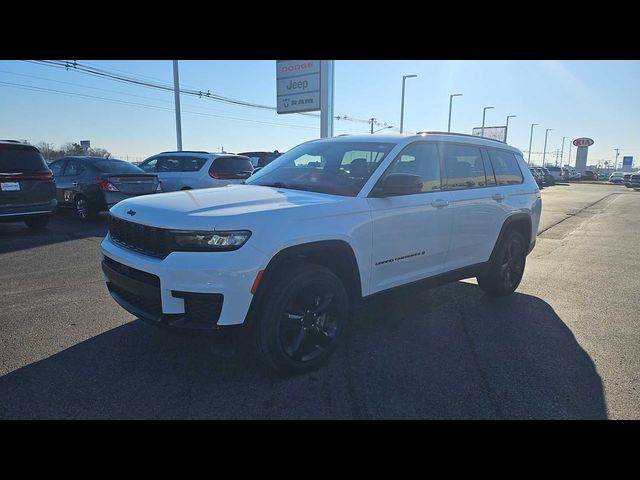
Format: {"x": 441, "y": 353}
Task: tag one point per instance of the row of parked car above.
{"x": 31, "y": 189}
{"x": 629, "y": 180}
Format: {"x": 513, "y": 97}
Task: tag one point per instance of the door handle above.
{"x": 498, "y": 197}
{"x": 439, "y": 203}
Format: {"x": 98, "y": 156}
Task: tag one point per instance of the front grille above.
{"x": 144, "y": 239}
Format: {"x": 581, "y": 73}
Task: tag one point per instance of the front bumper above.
{"x": 186, "y": 290}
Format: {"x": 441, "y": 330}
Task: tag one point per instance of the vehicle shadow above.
{"x": 450, "y": 352}
{"x": 64, "y": 226}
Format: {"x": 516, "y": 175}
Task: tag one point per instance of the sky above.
{"x": 595, "y": 99}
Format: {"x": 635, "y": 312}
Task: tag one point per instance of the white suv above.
{"x": 186, "y": 170}
{"x": 328, "y": 223}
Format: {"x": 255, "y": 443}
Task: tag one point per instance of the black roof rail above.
{"x": 13, "y": 141}
{"x": 461, "y": 134}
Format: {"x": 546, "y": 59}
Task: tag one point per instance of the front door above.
{"x": 411, "y": 233}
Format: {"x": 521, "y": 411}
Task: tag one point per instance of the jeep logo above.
{"x": 131, "y": 212}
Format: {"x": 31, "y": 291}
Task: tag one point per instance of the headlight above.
{"x": 208, "y": 241}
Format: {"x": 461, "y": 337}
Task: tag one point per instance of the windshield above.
{"x": 337, "y": 168}
{"x": 117, "y": 166}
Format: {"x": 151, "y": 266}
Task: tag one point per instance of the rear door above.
{"x": 169, "y": 169}
{"x": 476, "y": 204}
{"x": 69, "y": 183}
{"x": 57, "y": 168}
{"x": 25, "y": 178}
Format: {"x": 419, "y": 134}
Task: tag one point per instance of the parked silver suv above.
{"x": 188, "y": 170}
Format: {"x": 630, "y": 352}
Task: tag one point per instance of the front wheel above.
{"x": 507, "y": 268}
{"x": 303, "y": 318}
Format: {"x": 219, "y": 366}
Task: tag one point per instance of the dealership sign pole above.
{"x": 583, "y": 145}
{"x": 306, "y": 86}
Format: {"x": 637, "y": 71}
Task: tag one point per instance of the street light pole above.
{"x": 372, "y": 120}
{"x": 544, "y": 152}
{"x": 506, "y": 128}
{"x": 404, "y": 77}
{"x": 561, "y": 153}
{"x": 176, "y": 92}
{"x": 569, "y": 157}
{"x": 615, "y": 166}
{"x": 450, "y": 103}
{"x": 530, "y": 139}
{"x": 484, "y": 111}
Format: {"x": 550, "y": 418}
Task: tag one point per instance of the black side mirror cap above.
{"x": 398, "y": 184}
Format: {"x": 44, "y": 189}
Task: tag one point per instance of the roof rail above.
{"x": 460, "y": 134}
{"x": 11, "y": 141}
{"x": 183, "y": 151}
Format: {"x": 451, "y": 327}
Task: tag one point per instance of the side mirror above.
{"x": 256, "y": 169}
{"x": 398, "y": 184}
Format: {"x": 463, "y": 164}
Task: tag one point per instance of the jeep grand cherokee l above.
{"x": 325, "y": 225}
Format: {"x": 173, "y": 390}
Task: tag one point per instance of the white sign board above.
{"x": 497, "y": 133}
{"x": 298, "y": 85}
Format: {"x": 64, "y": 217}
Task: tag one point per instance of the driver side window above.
{"x": 419, "y": 159}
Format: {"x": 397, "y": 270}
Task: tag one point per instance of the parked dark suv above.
{"x": 260, "y": 159}
{"x": 94, "y": 184}
{"x": 27, "y": 188}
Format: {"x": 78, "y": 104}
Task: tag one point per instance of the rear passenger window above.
{"x": 506, "y": 167}
{"x": 169, "y": 164}
{"x": 420, "y": 159}
{"x": 464, "y": 167}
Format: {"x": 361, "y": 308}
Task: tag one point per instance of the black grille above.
{"x": 133, "y": 272}
{"x": 148, "y": 240}
{"x": 146, "y": 304}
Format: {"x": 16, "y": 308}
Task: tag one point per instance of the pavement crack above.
{"x": 569, "y": 215}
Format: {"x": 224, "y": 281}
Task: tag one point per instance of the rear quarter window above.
{"x": 506, "y": 167}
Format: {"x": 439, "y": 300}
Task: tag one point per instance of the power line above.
{"x": 94, "y": 71}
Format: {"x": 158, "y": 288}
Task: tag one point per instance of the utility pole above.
{"x": 544, "y": 152}
{"x": 530, "y": 140}
{"x": 176, "y": 93}
{"x": 562, "y": 152}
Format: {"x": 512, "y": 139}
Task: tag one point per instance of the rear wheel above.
{"x": 84, "y": 209}
{"x": 303, "y": 318}
{"x": 37, "y": 222}
{"x": 507, "y": 268}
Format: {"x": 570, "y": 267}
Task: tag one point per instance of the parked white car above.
{"x": 284, "y": 258}
{"x": 616, "y": 177}
{"x": 187, "y": 170}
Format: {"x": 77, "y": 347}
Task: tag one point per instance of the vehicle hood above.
{"x": 210, "y": 208}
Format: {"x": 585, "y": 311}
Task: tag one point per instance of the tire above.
{"x": 37, "y": 222}
{"x": 288, "y": 336}
{"x": 84, "y": 209}
{"x": 507, "y": 268}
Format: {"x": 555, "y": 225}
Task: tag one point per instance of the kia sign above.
{"x": 496, "y": 133}
{"x": 298, "y": 85}
{"x": 583, "y": 142}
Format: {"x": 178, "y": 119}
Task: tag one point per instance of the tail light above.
{"x": 38, "y": 175}
{"x": 159, "y": 187}
{"x": 106, "y": 186}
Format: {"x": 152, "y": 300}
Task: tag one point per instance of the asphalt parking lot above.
{"x": 564, "y": 346}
